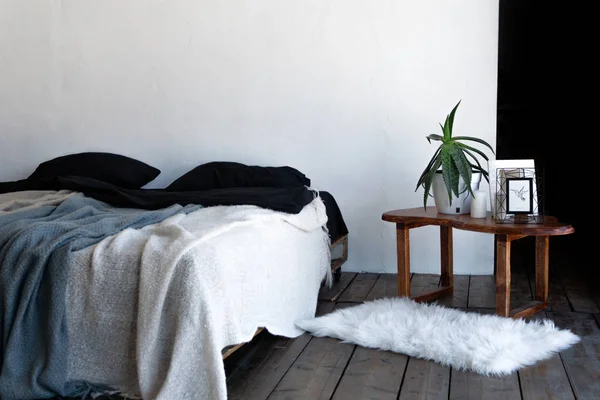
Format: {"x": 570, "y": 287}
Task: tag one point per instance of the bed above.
{"x": 112, "y": 288}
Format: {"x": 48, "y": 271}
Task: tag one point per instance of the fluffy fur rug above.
{"x": 486, "y": 344}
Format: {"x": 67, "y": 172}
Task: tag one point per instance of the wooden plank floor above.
{"x": 323, "y": 368}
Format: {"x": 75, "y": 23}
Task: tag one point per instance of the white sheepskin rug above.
{"x": 486, "y": 344}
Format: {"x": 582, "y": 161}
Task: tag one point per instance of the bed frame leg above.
{"x": 337, "y": 274}
{"x": 336, "y": 265}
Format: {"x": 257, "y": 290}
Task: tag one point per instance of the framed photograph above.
{"x": 499, "y": 171}
{"x": 519, "y": 195}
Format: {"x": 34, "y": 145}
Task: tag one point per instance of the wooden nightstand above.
{"x": 407, "y": 219}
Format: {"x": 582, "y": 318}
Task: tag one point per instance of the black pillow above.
{"x": 118, "y": 170}
{"x": 224, "y": 174}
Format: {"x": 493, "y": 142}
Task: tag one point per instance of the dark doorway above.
{"x": 546, "y": 109}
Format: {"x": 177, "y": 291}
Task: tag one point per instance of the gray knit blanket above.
{"x": 39, "y": 233}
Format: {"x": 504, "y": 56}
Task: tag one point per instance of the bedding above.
{"x": 226, "y": 174}
{"x": 141, "y": 301}
{"x": 35, "y": 246}
{"x": 113, "y": 168}
{"x": 290, "y": 200}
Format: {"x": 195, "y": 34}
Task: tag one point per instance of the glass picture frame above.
{"x": 499, "y": 170}
{"x": 519, "y": 196}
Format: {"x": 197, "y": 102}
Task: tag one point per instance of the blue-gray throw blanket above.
{"x": 35, "y": 246}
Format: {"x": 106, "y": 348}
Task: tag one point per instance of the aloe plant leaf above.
{"x": 486, "y": 176}
{"x": 460, "y": 171}
{"x": 429, "y": 166}
{"x": 470, "y": 154}
{"x": 449, "y": 172}
{"x": 466, "y": 146}
{"x": 429, "y": 180}
{"x": 479, "y": 168}
{"x": 451, "y": 119}
{"x": 433, "y": 136}
{"x": 483, "y": 172}
{"x": 455, "y": 179}
{"x": 474, "y": 139}
{"x": 470, "y": 169}
{"x": 446, "y": 128}
{"x": 464, "y": 167}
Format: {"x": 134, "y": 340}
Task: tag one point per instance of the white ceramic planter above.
{"x": 460, "y": 204}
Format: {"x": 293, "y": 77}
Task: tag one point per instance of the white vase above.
{"x": 460, "y": 204}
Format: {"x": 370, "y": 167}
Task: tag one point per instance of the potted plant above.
{"x": 454, "y": 171}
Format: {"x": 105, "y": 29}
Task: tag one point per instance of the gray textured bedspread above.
{"x": 35, "y": 246}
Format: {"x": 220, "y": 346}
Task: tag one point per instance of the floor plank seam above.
{"x": 562, "y": 361}
{"x": 597, "y": 301}
{"x": 371, "y": 288}
{"x": 520, "y": 385}
{"x": 346, "y": 288}
{"x": 403, "y": 377}
{"x": 468, "y": 291}
{"x": 337, "y": 385}
{"x": 290, "y": 367}
{"x": 597, "y": 318}
{"x": 562, "y": 285}
{"x": 450, "y": 382}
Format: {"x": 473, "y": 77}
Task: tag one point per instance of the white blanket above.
{"x": 166, "y": 299}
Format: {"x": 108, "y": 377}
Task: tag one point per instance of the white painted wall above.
{"x": 344, "y": 90}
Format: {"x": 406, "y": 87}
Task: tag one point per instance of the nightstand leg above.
{"x": 502, "y": 276}
{"x": 446, "y": 256}
{"x": 403, "y": 250}
{"x": 541, "y": 268}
